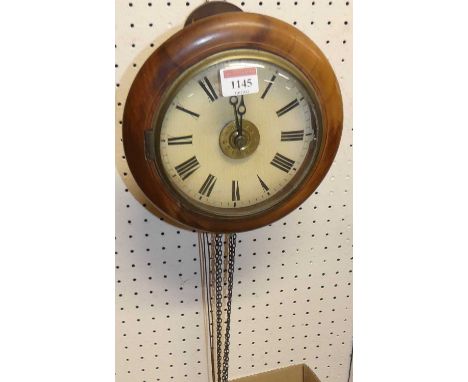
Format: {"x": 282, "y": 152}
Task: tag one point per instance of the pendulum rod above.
{"x": 204, "y": 255}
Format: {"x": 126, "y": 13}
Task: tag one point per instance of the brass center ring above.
{"x": 237, "y": 146}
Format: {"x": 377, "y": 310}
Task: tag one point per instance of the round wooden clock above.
{"x": 232, "y": 123}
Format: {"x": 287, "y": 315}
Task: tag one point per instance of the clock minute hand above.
{"x": 233, "y": 101}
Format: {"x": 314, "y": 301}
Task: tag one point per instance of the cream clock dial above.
{"x": 212, "y": 164}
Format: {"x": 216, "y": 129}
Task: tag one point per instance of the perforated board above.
{"x": 292, "y": 295}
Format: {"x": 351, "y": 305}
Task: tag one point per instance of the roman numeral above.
{"x": 268, "y": 86}
{"x": 208, "y": 186}
{"x": 208, "y": 88}
{"x": 282, "y": 163}
{"x": 185, "y": 140}
{"x": 178, "y": 107}
{"x": 296, "y": 135}
{"x": 187, "y": 168}
{"x": 235, "y": 191}
{"x": 263, "y": 184}
{"x": 287, "y": 108}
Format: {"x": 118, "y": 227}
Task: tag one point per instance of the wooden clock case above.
{"x": 197, "y": 41}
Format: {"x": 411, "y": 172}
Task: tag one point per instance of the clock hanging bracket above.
{"x": 210, "y": 8}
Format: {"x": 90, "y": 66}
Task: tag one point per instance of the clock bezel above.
{"x": 309, "y": 162}
{"x": 192, "y": 45}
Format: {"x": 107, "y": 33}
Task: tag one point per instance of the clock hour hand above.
{"x": 241, "y": 110}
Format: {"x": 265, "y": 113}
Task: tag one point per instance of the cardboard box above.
{"x": 296, "y": 373}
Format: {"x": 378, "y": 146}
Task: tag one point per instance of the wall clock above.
{"x": 233, "y": 122}
{"x": 228, "y": 126}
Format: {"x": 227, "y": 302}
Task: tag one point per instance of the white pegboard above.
{"x": 292, "y": 300}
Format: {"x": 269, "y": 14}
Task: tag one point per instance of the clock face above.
{"x": 238, "y": 155}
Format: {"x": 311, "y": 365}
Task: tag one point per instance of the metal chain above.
{"x": 219, "y": 297}
{"x": 213, "y": 275}
{"x": 231, "y": 259}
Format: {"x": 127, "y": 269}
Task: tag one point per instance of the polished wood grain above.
{"x": 192, "y": 44}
